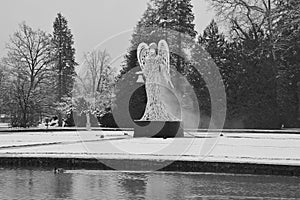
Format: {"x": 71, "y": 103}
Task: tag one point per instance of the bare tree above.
{"x": 2, "y": 73}
{"x": 245, "y": 15}
{"x": 97, "y": 63}
{"x": 29, "y": 59}
{"x": 96, "y": 82}
{"x": 3, "y": 86}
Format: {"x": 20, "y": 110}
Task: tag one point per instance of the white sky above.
{"x": 94, "y": 23}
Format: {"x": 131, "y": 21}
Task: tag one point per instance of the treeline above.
{"x": 257, "y": 56}
{"x": 37, "y": 74}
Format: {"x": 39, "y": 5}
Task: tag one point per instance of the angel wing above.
{"x": 142, "y": 53}
{"x": 164, "y": 53}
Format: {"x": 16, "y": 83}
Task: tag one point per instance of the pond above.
{"x": 93, "y": 184}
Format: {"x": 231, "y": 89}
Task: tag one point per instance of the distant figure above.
{"x": 47, "y": 121}
{"x": 69, "y": 121}
{"x": 54, "y": 121}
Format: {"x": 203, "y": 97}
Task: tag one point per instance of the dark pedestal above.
{"x": 158, "y": 129}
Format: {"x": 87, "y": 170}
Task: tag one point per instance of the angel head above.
{"x": 144, "y": 51}
{"x": 152, "y": 49}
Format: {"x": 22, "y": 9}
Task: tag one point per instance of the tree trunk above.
{"x": 59, "y": 119}
{"x": 298, "y": 99}
{"x": 24, "y": 121}
{"x": 60, "y": 91}
{"x": 88, "y": 121}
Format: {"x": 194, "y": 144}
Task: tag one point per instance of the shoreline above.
{"x": 148, "y": 165}
{"x": 60, "y": 129}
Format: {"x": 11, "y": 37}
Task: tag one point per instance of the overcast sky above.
{"x": 94, "y": 23}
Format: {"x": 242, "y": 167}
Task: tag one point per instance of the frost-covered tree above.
{"x": 4, "y": 82}
{"x": 98, "y": 79}
{"x": 95, "y": 85}
{"x": 30, "y": 63}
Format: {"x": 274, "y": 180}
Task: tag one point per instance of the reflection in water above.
{"x": 133, "y": 184}
{"x": 86, "y": 184}
{"x": 61, "y": 185}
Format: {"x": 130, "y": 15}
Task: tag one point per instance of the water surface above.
{"x": 86, "y": 184}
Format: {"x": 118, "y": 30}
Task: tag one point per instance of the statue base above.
{"x": 158, "y": 129}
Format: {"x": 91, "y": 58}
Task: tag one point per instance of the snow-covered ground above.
{"x": 4, "y": 125}
{"x": 267, "y": 148}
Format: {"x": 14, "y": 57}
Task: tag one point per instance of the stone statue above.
{"x": 154, "y": 61}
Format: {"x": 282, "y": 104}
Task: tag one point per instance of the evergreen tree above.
{"x": 248, "y": 77}
{"x": 214, "y": 43}
{"x": 256, "y": 91}
{"x": 288, "y": 50}
{"x": 65, "y": 59}
{"x": 277, "y": 48}
{"x": 176, "y": 16}
{"x": 226, "y": 58}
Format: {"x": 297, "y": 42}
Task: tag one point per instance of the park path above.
{"x": 260, "y": 148}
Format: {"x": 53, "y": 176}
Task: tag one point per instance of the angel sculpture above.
{"x": 156, "y": 70}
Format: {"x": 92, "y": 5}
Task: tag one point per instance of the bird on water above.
{"x": 58, "y": 170}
